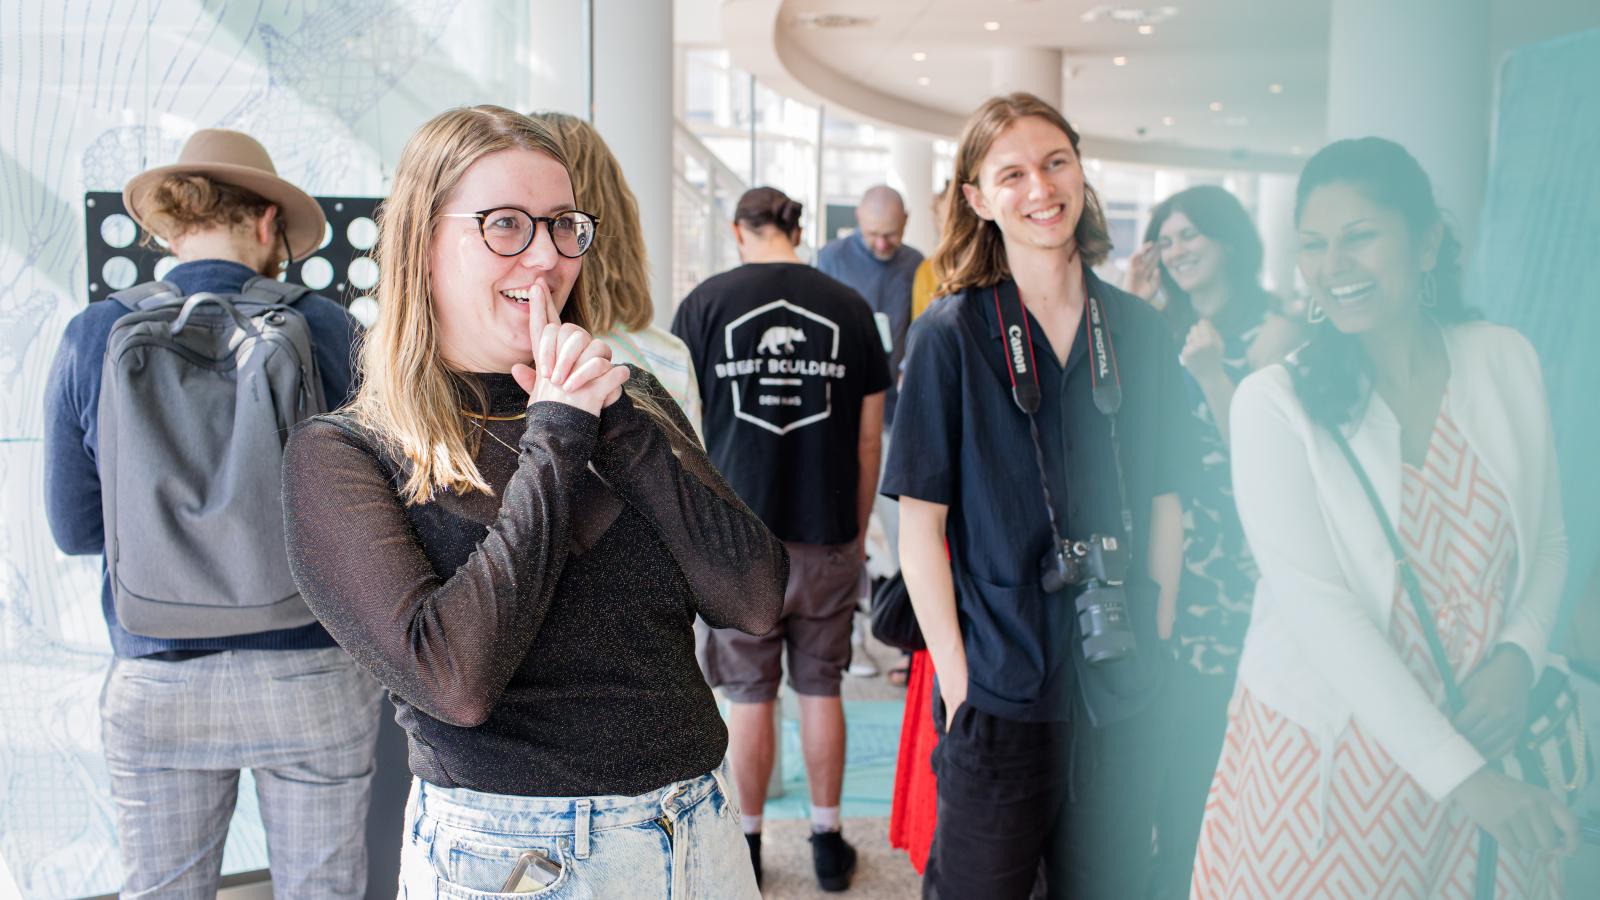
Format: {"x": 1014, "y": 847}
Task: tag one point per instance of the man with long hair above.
{"x": 1039, "y": 438}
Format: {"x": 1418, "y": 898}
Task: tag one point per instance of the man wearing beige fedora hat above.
{"x": 183, "y": 715}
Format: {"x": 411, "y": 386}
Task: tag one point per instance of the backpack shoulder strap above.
{"x": 144, "y": 296}
{"x": 271, "y": 291}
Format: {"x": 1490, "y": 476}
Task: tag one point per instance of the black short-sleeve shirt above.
{"x": 785, "y": 355}
{"x": 960, "y": 440}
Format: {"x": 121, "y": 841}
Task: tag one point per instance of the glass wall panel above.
{"x": 92, "y": 93}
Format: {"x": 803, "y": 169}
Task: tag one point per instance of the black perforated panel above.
{"x": 342, "y": 268}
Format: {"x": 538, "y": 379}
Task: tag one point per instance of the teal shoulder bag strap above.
{"x": 1488, "y": 848}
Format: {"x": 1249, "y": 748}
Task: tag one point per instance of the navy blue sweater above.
{"x": 71, "y": 438}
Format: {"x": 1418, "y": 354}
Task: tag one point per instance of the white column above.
{"x": 554, "y": 63}
{"x": 1415, "y": 73}
{"x": 911, "y": 165}
{"x": 1033, "y": 69}
{"x": 1275, "y": 221}
{"x": 633, "y": 111}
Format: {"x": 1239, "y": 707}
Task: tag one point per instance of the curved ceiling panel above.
{"x": 922, "y": 69}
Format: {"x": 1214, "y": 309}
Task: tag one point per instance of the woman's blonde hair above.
{"x": 616, "y": 287}
{"x": 409, "y": 398}
{"x": 971, "y": 251}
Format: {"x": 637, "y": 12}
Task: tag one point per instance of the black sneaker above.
{"x": 754, "y": 840}
{"x": 834, "y": 860}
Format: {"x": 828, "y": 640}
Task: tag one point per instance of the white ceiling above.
{"x": 1210, "y": 51}
{"x": 1228, "y": 52}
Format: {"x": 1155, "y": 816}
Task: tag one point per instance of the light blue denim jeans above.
{"x": 681, "y": 841}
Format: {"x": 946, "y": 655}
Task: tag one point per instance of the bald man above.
{"x": 875, "y": 261}
{"x": 882, "y": 269}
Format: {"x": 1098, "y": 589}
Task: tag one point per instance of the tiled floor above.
{"x": 881, "y": 873}
{"x": 873, "y": 710}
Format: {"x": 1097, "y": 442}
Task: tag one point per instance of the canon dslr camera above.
{"x": 1097, "y": 567}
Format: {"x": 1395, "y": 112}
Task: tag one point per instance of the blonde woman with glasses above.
{"x": 514, "y": 534}
{"x": 615, "y": 297}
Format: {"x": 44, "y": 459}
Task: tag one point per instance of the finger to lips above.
{"x": 538, "y": 312}
{"x": 551, "y": 314}
{"x": 545, "y": 359}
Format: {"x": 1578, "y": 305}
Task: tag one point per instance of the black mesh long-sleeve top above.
{"x": 537, "y": 642}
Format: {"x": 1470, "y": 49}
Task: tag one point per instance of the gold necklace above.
{"x": 484, "y": 418}
{"x": 496, "y": 438}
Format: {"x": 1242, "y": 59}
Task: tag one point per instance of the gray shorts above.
{"x": 825, "y": 585}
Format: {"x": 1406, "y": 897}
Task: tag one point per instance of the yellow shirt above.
{"x": 923, "y": 284}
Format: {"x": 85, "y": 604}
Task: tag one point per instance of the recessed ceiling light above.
{"x": 1168, "y": 120}
{"x": 1275, "y": 88}
{"x": 991, "y": 26}
{"x": 1216, "y": 106}
{"x": 1128, "y": 15}
{"x": 919, "y": 56}
{"x": 924, "y": 81}
{"x": 1147, "y": 29}
{"x": 1119, "y": 60}
{"x": 833, "y": 20}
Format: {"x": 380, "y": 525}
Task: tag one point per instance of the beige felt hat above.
{"x": 235, "y": 158}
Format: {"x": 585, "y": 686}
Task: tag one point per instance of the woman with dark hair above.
{"x": 1343, "y": 772}
{"x": 1201, "y": 267}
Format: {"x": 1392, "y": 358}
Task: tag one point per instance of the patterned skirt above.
{"x": 1271, "y": 832}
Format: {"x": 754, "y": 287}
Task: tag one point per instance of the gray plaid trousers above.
{"x": 177, "y": 734}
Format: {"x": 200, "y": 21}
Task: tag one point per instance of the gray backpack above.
{"x": 196, "y": 401}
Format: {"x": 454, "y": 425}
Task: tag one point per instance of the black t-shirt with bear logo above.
{"x": 784, "y": 355}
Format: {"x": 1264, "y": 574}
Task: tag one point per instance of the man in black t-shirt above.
{"x": 792, "y": 378}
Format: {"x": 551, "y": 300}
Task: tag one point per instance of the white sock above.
{"x": 824, "y": 818}
{"x": 752, "y": 824}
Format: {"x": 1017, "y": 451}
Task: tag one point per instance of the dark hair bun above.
{"x": 789, "y": 215}
{"x": 763, "y": 206}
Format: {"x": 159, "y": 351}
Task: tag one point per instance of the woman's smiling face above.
{"x": 1192, "y": 259}
{"x": 1360, "y": 259}
{"x": 479, "y": 297}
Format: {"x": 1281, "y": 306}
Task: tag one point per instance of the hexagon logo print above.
{"x": 794, "y": 359}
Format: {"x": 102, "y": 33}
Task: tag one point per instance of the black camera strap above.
{"x": 1017, "y": 346}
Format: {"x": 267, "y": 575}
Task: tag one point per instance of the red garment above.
{"x": 916, "y": 797}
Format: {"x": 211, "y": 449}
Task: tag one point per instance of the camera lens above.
{"x": 1103, "y": 623}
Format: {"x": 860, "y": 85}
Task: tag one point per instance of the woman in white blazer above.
{"x": 1343, "y": 773}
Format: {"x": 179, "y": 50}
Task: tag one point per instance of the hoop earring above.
{"x": 1314, "y": 312}
{"x": 1430, "y": 290}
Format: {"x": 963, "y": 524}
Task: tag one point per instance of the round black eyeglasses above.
{"x": 509, "y": 230}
